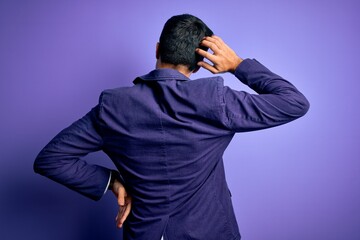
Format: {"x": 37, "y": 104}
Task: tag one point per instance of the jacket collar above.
{"x": 162, "y": 74}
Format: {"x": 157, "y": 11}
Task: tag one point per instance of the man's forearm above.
{"x": 277, "y": 102}
{"x": 275, "y": 89}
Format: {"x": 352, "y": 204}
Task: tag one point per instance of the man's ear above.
{"x": 157, "y": 54}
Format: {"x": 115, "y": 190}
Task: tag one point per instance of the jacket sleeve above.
{"x": 277, "y": 101}
{"x": 61, "y": 159}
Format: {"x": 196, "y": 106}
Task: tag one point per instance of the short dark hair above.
{"x": 180, "y": 37}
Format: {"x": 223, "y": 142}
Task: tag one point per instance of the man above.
{"x": 167, "y": 134}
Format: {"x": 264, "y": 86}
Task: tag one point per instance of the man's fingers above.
{"x": 121, "y": 196}
{"x": 218, "y": 39}
{"x": 124, "y": 202}
{"x": 213, "y": 44}
{"x": 123, "y": 213}
{"x": 208, "y": 67}
{"x": 206, "y": 54}
{"x": 224, "y": 59}
{"x": 118, "y": 219}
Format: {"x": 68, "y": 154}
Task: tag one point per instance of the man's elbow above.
{"x": 305, "y": 106}
{"x": 37, "y": 166}
{"x": 40, "y": 164}
{"x": 302, "y": 106}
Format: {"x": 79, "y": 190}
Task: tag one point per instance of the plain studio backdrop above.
{"x": 294, "y": 182}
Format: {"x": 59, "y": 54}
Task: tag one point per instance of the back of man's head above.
{"x": 180, "y": 37}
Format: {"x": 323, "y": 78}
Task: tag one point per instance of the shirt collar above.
{"x": 162, "y": 74}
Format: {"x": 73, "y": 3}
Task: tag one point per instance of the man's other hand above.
{"x": 224, "y": 59}
{"x": 124, "y": 202}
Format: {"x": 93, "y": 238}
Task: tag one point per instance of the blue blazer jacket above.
{"x": 166, "y": 135}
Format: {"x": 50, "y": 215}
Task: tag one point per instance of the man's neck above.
{"x": 180, "y": 68}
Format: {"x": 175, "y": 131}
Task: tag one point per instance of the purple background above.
{"x": 298, "y": 181}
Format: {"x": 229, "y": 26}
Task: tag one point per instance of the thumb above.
{"x": 121, "y": 196}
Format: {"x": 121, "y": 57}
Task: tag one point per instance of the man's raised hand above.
{"x": 223, "y": 58}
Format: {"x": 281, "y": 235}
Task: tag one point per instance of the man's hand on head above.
{"x": 123, "y": 199}
{"x": 223, "y": 58}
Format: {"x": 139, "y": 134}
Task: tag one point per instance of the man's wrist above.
{"x": 113, "y": 176}
{"x": 238, "y": 61}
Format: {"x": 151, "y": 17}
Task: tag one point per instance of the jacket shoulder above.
{"x": 210, "y": 89}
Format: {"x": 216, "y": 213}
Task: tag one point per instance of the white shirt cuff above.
{"x": 108, "y": 184}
